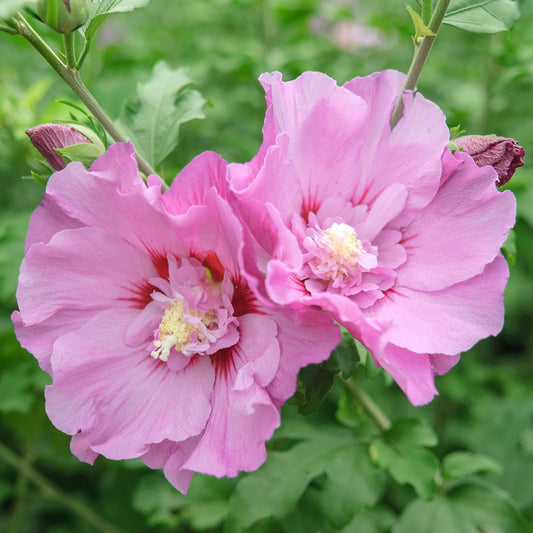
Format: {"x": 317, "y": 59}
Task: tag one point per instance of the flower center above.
{"x": 197, "y": 316}
{"x": 337, "y": 252}
{"x": 342, "y": 244}
{"x": 184, "y": 331}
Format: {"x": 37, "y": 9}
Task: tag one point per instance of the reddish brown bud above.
{"x": 504, "y": 154}
{"x": 47, "y": 137}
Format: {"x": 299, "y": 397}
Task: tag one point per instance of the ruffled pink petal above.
{"x": 46, "y": 221}
{"x": 128, "y": 400}
{"x": 387, "y": 206}
{"x": 243, "y": 415}
{"x": 466, "y": 223}
{"x": 277, "y": 181}
{"x": 409, "y": 154}
{"x": 412, "y": 372}
{"x": 173, "y": 468}
{"x": 39, "y": 338}
{"x": 441, "y": 363}
{"x": 318, "y": 125}
{"x": 189, "y": 188}
{"x": 112, "y": 195}
{"x": 448, "y": 321}
{"x": 80, "y": 269}
{"x": 305, "y": 337}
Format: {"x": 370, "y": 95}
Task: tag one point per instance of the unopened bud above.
{"x": 504, "y": 154}
{"x": 63, "y": 16}
{"x": 47, "y": 137}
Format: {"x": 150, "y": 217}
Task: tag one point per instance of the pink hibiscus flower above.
{"x": 387, "y": 230}
{"x": 139, "y": 306}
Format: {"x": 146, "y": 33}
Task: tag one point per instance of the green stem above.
{"x": 73, "y": 79}
{"x": 50, "y": 490}
{"x": 8, "y": 29}
{"x": 427, "y": 8}
{"x": 21, "y": 490}
{"x": 83, "y": 55}
{"x": 422, "y": 50}
{"x": 68, "y": 39}
{"x": 368, "y": 404}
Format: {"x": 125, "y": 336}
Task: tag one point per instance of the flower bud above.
{"x": 63, "y": 16}
{"x": 47, "y": 137}
{"x": 504, "y": 154}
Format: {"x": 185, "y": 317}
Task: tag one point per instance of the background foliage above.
{"x": 464, "y": 463}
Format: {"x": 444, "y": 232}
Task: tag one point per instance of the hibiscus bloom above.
{"x": 138, "y": 304}
{"x": 387, "y": 230}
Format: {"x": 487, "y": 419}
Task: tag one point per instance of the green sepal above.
{"x": 85, "y": 153}
{"x": 421, "y": 30}
{"x": 39, "y": 178}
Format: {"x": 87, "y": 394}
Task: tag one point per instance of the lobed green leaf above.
{"x": 164, "y": 104}
{"x": 274, "y": 489}
{"x": 465, "y": 509}
{"x": 460, "y": 464}
{"x": 482, "y": 16}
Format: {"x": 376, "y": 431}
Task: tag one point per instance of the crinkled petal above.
{"x": 412, "y": 372}
{"x": 190, "y": 187}
{"x": 243, "y": 415}
{"x": 466, "y": 223}
{"x": 112, "y": 195}
{"x": 80, "y": 269}
{"x": 448, "y": 321}
{"x": 128, "y": 400}
{"x": 39, "y": 338}
{"x": 409, "y": 153}
{"x": 305, "y": 337}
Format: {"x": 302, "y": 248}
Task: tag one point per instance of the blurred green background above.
{"x": 482, "y": 82}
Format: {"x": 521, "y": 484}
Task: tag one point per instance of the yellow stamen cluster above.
{"x": 343, "y": 243}
{"x": 175, "y": 332}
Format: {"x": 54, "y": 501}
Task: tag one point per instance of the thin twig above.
{"x": 52, "y": 491}
{"x": 368, "y": 404}
{"x": 422, "y": 50}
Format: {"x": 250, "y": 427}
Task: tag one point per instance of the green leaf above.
{"x": 85, "y": 153}
{"x": 8, "y": 8}
{"x": 465, "y": 509}
{"x": 204, "y": 507}
{"x": 413, "y": 465}
{"x": 348, "y": 409}
{"x": 164, "y": 103}
{"x": 274, "y": 489}
{"x": 158, "y": 500}
{"x": 346, "y": 355}
{"x": 13, "y": 229}
{"x": 316, "y": 381}
{"x": 412, "y": 431}
{"x": 461, "y": 464}
{"x": 482, "y": 16}
{"x": 509, "y": 249}
{"x": 375, "y": 520}
{"x": 403, "y": 454}
{"x": 100, "y": 9}
{"x": 353, "y": 483}
{"x": 18, "y": 386}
